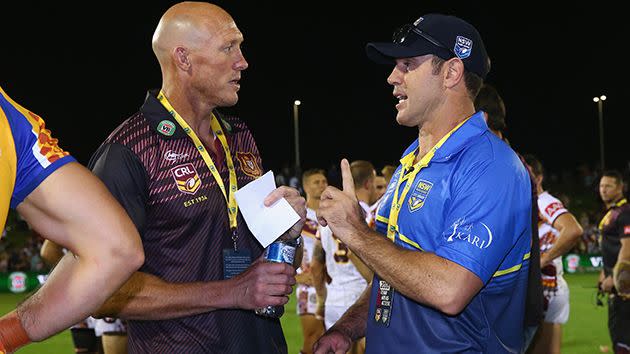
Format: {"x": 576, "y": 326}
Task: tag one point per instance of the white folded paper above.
{"x": 266, "y": 223}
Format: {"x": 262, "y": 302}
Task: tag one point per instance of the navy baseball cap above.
{"x": 441, "y": 35}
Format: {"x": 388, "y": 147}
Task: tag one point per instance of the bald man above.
{"x": 174, "y": 166}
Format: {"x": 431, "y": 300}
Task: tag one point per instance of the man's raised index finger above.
{"x": 346, "y": 177}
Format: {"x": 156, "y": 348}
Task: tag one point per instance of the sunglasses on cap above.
{"x": 401, "y": 34}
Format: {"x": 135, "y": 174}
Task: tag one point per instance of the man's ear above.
{"x": 454, "y": 72}
{"x": 180, "y": 57}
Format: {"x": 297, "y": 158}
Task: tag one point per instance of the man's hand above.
{"x": 340, "y": 210}
{"x": 296, "y": 201}
{"x": 607, "y": 285}
{"x": 263, "y": 284}
{"x": 332, "y": 341}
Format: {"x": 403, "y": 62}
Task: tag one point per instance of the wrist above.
{"x": 221, "y": 294}
{"x": 12, "y": 333}
{"x": 341, "y": 330}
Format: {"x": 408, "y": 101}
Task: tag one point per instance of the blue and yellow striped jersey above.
{"x": 28, "y": 154}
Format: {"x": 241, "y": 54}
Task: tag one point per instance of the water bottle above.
{"x": 278, "y": 252}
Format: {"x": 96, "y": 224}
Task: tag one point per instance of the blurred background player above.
{"x": 380, "y": 183}
{"x": 559, "y": 231}
{"x": 388, "y": 171}
{"x": 491, "y": 104}
{"x": 614, "y": 231}
{"x": 350, "y": 276}
{"x": 313, "y": 182}
{"x": 58, "y": 197}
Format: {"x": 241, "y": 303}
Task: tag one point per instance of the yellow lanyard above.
{"x": 218, "y": 131}
{"x": 408, "y": 166}
{"x": 604, "y": 220}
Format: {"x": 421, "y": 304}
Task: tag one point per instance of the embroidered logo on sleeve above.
{"x": 553, "y": 208}
{"x": 248, "y": 164}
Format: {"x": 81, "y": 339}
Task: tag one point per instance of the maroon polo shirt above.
{"x": 154, "y": 170}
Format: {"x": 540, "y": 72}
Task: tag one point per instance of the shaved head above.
{"x": 187, "y": 24}
{"x": 198, "y": 46}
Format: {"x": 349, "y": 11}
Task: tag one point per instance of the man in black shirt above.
{"x": 615, "y": 242}
{"x": 174, "y": 166}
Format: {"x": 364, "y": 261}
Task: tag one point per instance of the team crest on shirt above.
{"x": 186, "y": 178}
{"x": 419, "y": 195}
{"x": 248, "y": 164}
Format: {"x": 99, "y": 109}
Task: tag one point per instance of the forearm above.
{"x": 74, "y": 281}
{"x": 566, "y": 240}
{"x": 421, "y": 276}
{"x": 147, "y": 297}
{"x": 569, "y": 234}
{"x": 363, "y": 269}
{"x": 51, "y": 253}
{"x": 318, "y": 270}
{"x": 353, "y": 323}
{"x": 319, "y": 281}
{"x": 624, "y": 251}
{"x": 105, "y": 245}
{"x": 621, "y": 272}
{"x": 299, "y": 254}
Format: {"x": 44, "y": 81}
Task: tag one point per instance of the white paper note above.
{"x": 266, "y": 223}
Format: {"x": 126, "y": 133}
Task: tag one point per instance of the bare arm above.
{"x": 318, "y": 275}
{"x": 421, "y": 276}
{"x": 621, "y": 273}
{"x": 74, "y": 209}
{"x": 353, "y": 323}
{"x": 147, "y": 297}
{"x": 51, "y": 253}
{"x": 570, "y": 232}
{"x": 363, "y": 269}
{"x": 350, "y": 327}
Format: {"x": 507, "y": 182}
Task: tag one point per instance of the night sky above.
{"x": 86, "y": 69}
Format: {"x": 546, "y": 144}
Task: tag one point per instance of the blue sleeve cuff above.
{"x": 18, "y": 197}
{"x": 465, "y": 261}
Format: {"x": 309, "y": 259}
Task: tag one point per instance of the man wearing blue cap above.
{"x": 451, "y": 275}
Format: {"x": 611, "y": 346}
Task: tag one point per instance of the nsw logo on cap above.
{"x": 463, "y": 47}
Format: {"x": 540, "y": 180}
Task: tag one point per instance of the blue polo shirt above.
{"x": 472, "y": 206}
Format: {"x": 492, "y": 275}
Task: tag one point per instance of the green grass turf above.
{"x": 584, "y": 333}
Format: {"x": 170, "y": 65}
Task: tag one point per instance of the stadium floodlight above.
{"x": 296, "y": 130}
{"x": 600, "y": 110}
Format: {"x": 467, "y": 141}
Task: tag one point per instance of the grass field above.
{"x": 584, "y": 333}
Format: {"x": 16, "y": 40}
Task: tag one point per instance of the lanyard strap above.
{"x": 218, "y": 132}
{"x": 604, "y": 220}
{"x": 408, "y": 173}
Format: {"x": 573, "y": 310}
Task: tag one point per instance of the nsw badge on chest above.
{"x": 235, "y": 262}
{"x": 383, "y": 303}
